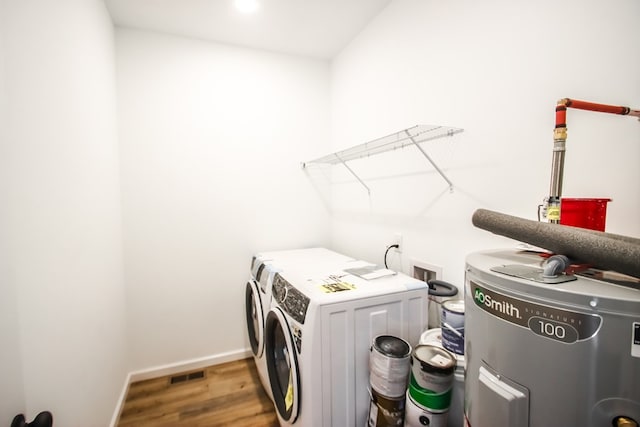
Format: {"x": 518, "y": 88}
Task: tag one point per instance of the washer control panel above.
{"x": 291, "y": 300}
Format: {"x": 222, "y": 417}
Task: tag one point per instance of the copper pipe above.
{"x": 601, "y": 108}
{"x": 559, "y": 146}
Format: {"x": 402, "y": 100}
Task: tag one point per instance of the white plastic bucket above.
{"x": 417, "y": 415}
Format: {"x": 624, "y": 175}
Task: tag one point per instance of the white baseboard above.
{"x": 187, "y": 365}
{"x": 120, "y": 403}
{"x": 174, "y": 368}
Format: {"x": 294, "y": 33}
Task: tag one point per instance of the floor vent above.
{"x": 177, "y": 379}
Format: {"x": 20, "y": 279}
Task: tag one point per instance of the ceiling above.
{"x": 314, "y": 28}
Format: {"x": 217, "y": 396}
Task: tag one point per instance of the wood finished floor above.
{"x": 230, "y": 394}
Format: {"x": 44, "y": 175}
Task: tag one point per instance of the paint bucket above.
{"x": 389, "y": 365}
{"x": 439, "y": 292}
{"x": 584, "y": 213}
{"x": 424, "y": 406}
{"x": 432, "y": 369}
{"x": 432, "y": 337}
{"x": 417, "y": 415}
{"x": 453, "y": 326}
{"x": 386, "y": 411}
{"x": 456, "y": 408}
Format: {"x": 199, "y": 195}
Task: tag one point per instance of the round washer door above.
{"x": 255, "y": 318}
{"x": 282, "y": 364}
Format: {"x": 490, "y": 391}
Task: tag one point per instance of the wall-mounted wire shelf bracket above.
{"x": 353, "y": 173}
{"x": 411, "y": 136}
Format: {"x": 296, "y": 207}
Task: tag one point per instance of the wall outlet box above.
{"x": 424, "y": 271}
{"x": 397, "y": 240}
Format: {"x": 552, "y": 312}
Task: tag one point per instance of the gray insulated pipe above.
{"x": 602, "y": 250}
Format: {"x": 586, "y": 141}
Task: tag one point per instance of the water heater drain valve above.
{"x": 624, "y": 422}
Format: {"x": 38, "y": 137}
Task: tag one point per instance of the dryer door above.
{"x": 255, "y": 318}
{"x": 282, "y": 364}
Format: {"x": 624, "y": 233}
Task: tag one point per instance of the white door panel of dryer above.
{"x": 341, "y": 342}
{"x": 385, "y": 318}
{"x": 418, "y": 316}
{"x": 502, "y": 404}
{"x": 348, "y": 332}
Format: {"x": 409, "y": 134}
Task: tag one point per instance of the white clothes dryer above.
{"x": 318, "y": 335}
{"x": 311, "y": 260}
{"x": 257, "y": 304}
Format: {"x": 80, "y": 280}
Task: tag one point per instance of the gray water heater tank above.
{"x": 548, "y": 354}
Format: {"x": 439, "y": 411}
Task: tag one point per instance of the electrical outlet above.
{"x": 397, "y": 240}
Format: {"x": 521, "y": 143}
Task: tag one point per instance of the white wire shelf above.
{"x": 412, "y": 136}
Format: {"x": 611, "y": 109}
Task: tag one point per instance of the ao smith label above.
{"x": 549, "y": 322}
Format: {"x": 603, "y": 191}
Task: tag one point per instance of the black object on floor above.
{"x": 18, "y": 421}
{"x": 43, "y": 419}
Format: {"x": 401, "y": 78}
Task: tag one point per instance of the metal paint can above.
{"x": 386, "y": 411}
{"x": 389, "y": 366}
{"x": 432, "y": 368}
{"x": 453, "y": 326}
{"x": 417, "y": 415}
{"x": 456, "y": 409}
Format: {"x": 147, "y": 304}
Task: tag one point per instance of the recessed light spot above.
{"x": 247, "y": 6}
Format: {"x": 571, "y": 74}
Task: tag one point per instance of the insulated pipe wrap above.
{"x": 602, "y": 250}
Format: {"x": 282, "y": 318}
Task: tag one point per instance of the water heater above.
{"x": 544, "y": 353}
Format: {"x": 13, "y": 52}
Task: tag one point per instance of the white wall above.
{"x": 211, "y": 141}
{"x": 211, "y": 138}
{"x": 12, "y": 400}
{"x": 61, "y": 214}
{"x": 495, "y": 68}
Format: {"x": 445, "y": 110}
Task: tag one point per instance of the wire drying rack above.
{"x": 413, "y": 136}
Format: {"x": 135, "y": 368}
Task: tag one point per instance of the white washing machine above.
{"x": 318, "y": 335}
{"x": 258, "y": 291}
{"x": 257, "y": 305}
